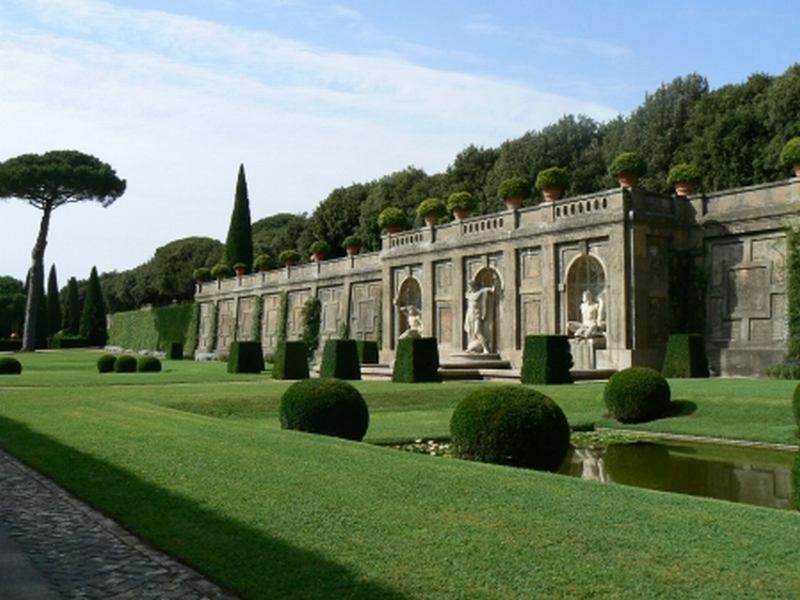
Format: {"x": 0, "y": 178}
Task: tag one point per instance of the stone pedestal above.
{"x": 583, "y": 352}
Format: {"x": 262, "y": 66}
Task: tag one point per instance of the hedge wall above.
{"x": 155, "y": 328}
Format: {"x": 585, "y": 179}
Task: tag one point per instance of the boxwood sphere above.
{"x": 637, "y": 394}
{"x": 10, "y": 366}
{"x": 106, "y": 363}
{"x": 148, "y": 364}
{"x": 510, "y": 425}
{"x": 325, "y": 406}
{"x": 125, "y": 364}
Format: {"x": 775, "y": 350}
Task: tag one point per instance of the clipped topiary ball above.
{"x": 325, "y": 406}
{"x": 10, "y": 366}
{"x": 125, "y": 364}
{"x": 106, "y": 363}
{"x": 510, "y": 425}
{"x": 637, "y": 394}
{"x": 148, "y": 364}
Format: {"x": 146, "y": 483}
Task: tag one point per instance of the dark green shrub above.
{"x": 10, "y": 366}
{"x": 686, "y": 356}
{"x": 289, "y": 257}
{"x": 684, "y": 173}
{"x": 392, "y": 216}
{"x": 106, "y": 363}
{"x": 796, "y": 406}
{"x": 93, "y": 317}
{"x": 461, "y": 201}
{"x": 320, "y": 247}
{"x": 63, "y": 340}
{"x": 554, "y": 177}
{"x": 796, "y": 481}
{"x": 325, "y": 406}
{"x": 262, "y": 262}
{"x": 510, "y": 425}
{"x": 352, "y": 241}
{"x": 416, "y": 361}
{"x": 514, "y": 187}
{"x": 340, "y": 360}
{"x": 434, "y": 207}
{"x": 202, "y": 274}
{"x": 367, "y": 352}
{"x": 790, "y": 155}
{"x": 10, "y": 345}
{"x": 239, "y": 243}
{"x": 637, "y": 394}
{"x": 125, "y": 364}
{"x": 291, "y": 361}
{"x": 221, "y": 271}
{"x": 627, "y": 162}
{"x": 148, "y": 364}
{"x": 546, "y": 359}
{"x": 175, "y": 351}
{"x": 245, "y": 357}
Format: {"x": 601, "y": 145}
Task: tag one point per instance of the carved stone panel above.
{"x": 331, "y": 309}
{"x": 226, "y": 323}
{"x": 205, "y": 342}
{"x": 269, "y": 322}
{"x": 444, "y": 323}
{"x": 244, "y": 322}
{"x": 365, "y": 312}
{"x": 294, "y": 324}
{"x": 530, "y": 316}
{"x": 530, "y": 270}
{"x": 443, "y": 276}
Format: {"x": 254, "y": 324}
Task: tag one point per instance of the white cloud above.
{"x": 175, "y": 103}
{"x": 483, "y": 24}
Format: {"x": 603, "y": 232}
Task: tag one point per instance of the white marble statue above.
{"x": 479, "y": 317}
{"x": 414, "y": 320}
{"x": 591, "y": 323}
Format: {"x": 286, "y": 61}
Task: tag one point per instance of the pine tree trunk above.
{"x": 35, "y": 281}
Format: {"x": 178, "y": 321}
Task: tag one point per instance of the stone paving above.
{"x": 82, "y": 554}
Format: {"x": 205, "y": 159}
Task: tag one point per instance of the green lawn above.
{"x": 270, "y": 513}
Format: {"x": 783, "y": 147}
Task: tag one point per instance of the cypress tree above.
{"x": 53, "y": 303}
{"x": 239, "y": 243}
{"x": 93, "y": 318}
{"x": 72, "y": 309}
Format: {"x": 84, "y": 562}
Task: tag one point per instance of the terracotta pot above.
{"x": 627, "y": 179}
{"x": 684, "y": 188}
{"x": 461, "y": 213}
{"x": 392, "y": 229}
{"x": 431, "y": 220}
{"x": 318, "y": 257}
{"x": 240, "y": 272}
{"x": 353, "y": 250}
{"x": 796, "y": 168}
{"x": 551, "y": 194}
{"x": 290, "y": 263}
{"x": 514, "y": 203}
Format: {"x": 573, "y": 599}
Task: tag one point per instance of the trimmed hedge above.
{"x": 367, "y": 352}
{"x": 245, "y": 357}
{"x": 290, "y": 361}
{"x": 175, "y": 351}
{"x": 8, "y": 345}
{"x": 125, "y": 364}
{"x": 553, "y": 177}
{"x": 391, "y": 216}
{"x": 796, "y": 406}
{"x": 684, "y": 173}
{"x": 63, "y": 341}
{"x": 340, "y": 360}
{"x": 416, "y": 361}
{"x": 106, "y": 363}
{"x": 325, "y": 406}
{"x": 685, "y": 356}
{"x": 10, "y": 366}
{"x": 510, "y": 425}
{"x": 156, "y": 329}
{"x": 148, "y": 364}
{"x": 627, "y": 162}
{"x": 637, "y": 394}
{"x": 461, "y": 201}
{"x": 432, "y": 206}
{"x": 796, "y": 481}
{"x": 546, "y": 359}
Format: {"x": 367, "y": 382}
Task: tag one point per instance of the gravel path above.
{"x": 54, "y": 546}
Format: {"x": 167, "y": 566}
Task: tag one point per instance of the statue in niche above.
{"x": 591, "y": 323}
{"x": 480, "y": 313}
{"x": 414, "y": 321}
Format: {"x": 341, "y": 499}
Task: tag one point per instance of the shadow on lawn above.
{"x": 248, "y": 561}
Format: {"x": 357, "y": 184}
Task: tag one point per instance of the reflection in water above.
{"x": 752, "y": 476}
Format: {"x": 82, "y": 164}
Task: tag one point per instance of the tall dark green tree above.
{"x": 53, "y": 303}
{"x": 93, "y": 318}
{"x": 239, "y": 243}
{"x": 12, "y": 306}
{"x": 71, "y": 322}
{"x": 47, "y": 181}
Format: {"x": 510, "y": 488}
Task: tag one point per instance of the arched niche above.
{"x": 586, "y": 273}
{"x": 408, "y": 294}
{"x": 488, "y": 277}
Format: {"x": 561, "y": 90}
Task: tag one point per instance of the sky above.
{"x": 311, "y": 95}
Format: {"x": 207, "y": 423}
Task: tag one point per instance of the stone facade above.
{"x": 538, "y": 261}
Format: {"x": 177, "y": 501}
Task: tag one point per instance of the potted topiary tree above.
{"x": 319, "y": 250}
{"x": 262, "y": 262}
{"x": 513, "y": 191}
{"x": 552, "y": 182}
{"x": 790, "y": 155}
{"x": 289, "y": 257}
{"x": 202, "y": 275}
{"x": 221, "y": 271}
{"x": 685, "y": 178}
{"x": 392, "y": 219}
{"x": 432, "y": 210}
{"x": 352, "y": 244}
{"x": 240, "y": 269}
{"x": 461, "y": 204}
{"x": 627, "y": 168}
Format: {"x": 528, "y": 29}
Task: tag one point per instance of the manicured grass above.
{"x": 271, "y": 513}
